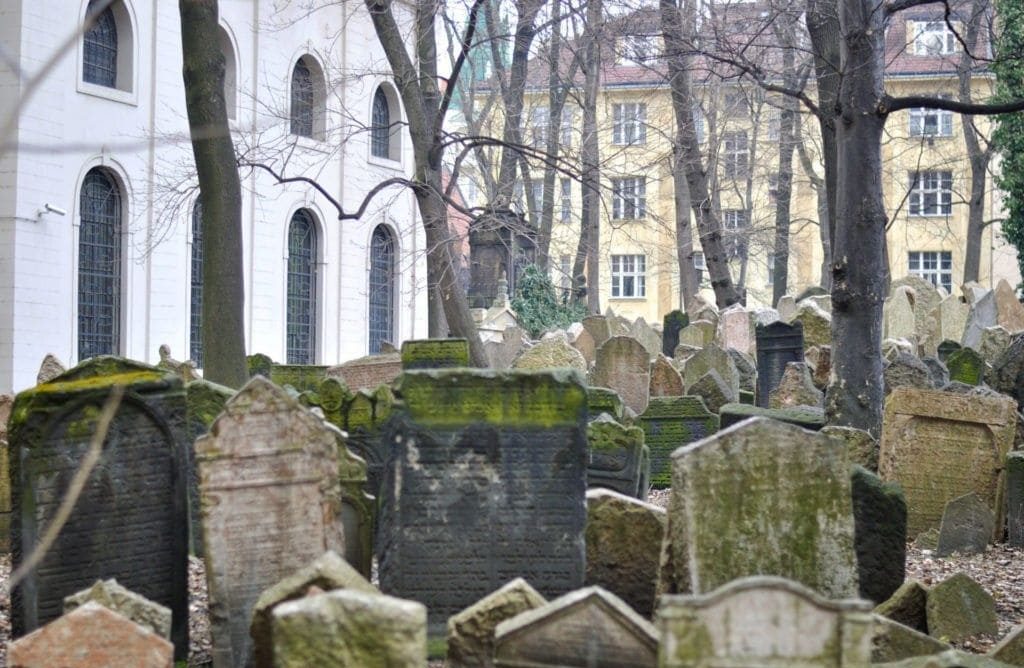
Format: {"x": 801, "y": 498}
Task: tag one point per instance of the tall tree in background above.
{"x": 1009, "y": 134}
{"x": 223, "y": 285}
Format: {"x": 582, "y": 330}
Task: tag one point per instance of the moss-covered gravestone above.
{"x": 762, "y": 497}
{"x": 958, "y": 607}
{"x": 300, "y": 376}
{"x": 806, "y": 417}
{"x": 940, "y": 446}
{"x": 485, "y": 482}
{"x": 364, "y": 414}
{"x": 270, "y": 504}
{"x": 435, "y": 354}
{"x": 618, "y": 458}
{"x": 778, "y": 344}
{"x": 358, "y": 509}
{"x": 966, "y": 365}
{"x": 605, "y": 400}
{"x": 131, "y": 520}
{"x": 669, "y": 423}
{"x": 764, "y": 621}
{"x": 880, "y": 516}
{"x": 471, "y": 632}
{"x": 947, "y": 348}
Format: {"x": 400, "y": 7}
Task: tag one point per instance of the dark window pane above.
{"x": 99, "y": 267}
{"x": 301, "y": 316}
{"x": 302, "y": 100}
{"x": 382, "y": 288}
{"x": 380, "y": 130}
{"x": 99, "y": 64}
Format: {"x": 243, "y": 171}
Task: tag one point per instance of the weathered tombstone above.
{"x": 711, "y": 357}
{"x": 670, "y": 422}
{"x": 327, "y": 573}
{"x": 50, "y": 368}
{"x": 746, "y": 367}
{"x": 358, "y": 509}
{"x": 6, "y": 402}
{"x": 898, "y": 315}
{"x": 599, "y": 329}
{"x": 982, "y": 314}
{"x": 951, "y": 319}
{"x": 1015, "y": 498}
{"x": 583, "y": 342}
{"x": 778, "y": 344}
{"x": 435, "y": 354}
{"x": 906, "y": 370}
{"x": 268, "y": 477}
{"x": 617, "y": 457}
{"x": 552, "y": 353}
{"x": 485, "y": 482}
{"x": 786, "y": 308}
{"x": 346, "y": 627}
{"x": 927, "y": 299}
{"x": 624, "y": 538}
{"x": 91, "y": 635}
{"x": 907, "y": 605}
{"x": 966, "y": 366}
{"x": 671, "y": 325}
{"x": 1007, "y": 371}
{"x": 862, "y": 446}
{"x": 806, "y": 417}
{"x": 967, "y": 526}
{"x": 762, "y": 497}
{"x": 367, "y": 373}
{"x": 796, "y": 389}
{"x": 205, "y": 401}
{"x": 604, "y": 400}
{"x": 647, "y": 336}
{"x": 1009, "y": 312}
{"x": 994, "y": 341}
{"x": 880, "y": 535}
{"x": 623, "y": 365}
{"x": 763, "y": 621}
{"x": 589, "y": 628}
{"x": 501, "y": 353}
{"x": 947, "y": 348}
{"x": 698, "y": 334}
{"x": 940, "y": 446}
{"x": 958, "y": 607}
{"x": 817, "y": 324}
{"x": 665, "y": 379}
{"x": 1011, "y": 648}
{"x": 138, "y": 490}
{"x": 113, "y": 596}
{"x": 892, "y": 641}
{"x": 819, "y": 362}
{"x": 714, "y": 391}
{"x": 259, "y": 364}
{"x": 938, "y": 373}
{"x": 471, "y": 632}
{"x": 736, "y": 329}
{"x": 302, "y": 377}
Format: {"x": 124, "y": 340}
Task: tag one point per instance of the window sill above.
{"x": 112, "y": 94}
{"x": 386, "y": 163}
{"x": 928, "y": 136}
{"x": 929, "y": 215}
{"x": 627, "y": 299}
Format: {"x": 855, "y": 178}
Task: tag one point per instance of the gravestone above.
{"x": 671, "y": 325}
{"x": 583, "y": 342}
{"x": 786, "y": 308}
{"x": 604, "y": 400}
{"x": 892, "y": 641}
{"x": 880, "y": 534}
{"x": 6, "y": 403}
{"x": 927, "y": 299}
{"x": 137, "y": 490}
{"x": 898, "y": 315}
{"x": 552, "y": 353}
{"x": 302, "y": 377}
{"x": 624, "y": 538}
{"x": 268, "y": 478}
{"x": 967, "y": 526}
{"x": 623, "y": 365}
{"x": 367, "y": 373}
{"x": 471, "y": 632}
{"x": 906, "y": 370}
{"x": 126, "y": 603}
{"x": 736, "y": 329}
{"x": 358, "y": 509}
{"x": 698, "y": 334}
{"x": 940, "y": 446}
{"x": 760, "y": 498}
{"x": 665, "y": 379}
{"x": 671, "y": 422}
{"x": 947, "y": 348}
{"x": 345, "y": 627}
{"x": 327, "y": 573}
{"x": 1006, "y": 374}
{"x": 1015, "y": 498}
{"x": 907, "y": 606}
{"x": 958, "y": 607}
{"x": 767, "y": 622}
{"x": 862, "y": 446}
{"x": 485, "y": 483}
{"x": 91, "y": 635}
{"x": 589, "y": 627}
{"x": 599, "y": 329}
{"x": 1009, "y": 312}
{"x": 994, "y": 341}
{"x": 819, "y": 361}
{"x": 647, "y": 336}
{"x": 364, "y": 415}
{"x": 817, "y": 324}
{"x": 951, "y": 318}
{"x": 778, "y": 344}
{"x": 746, "y": 367}
{"x": 714, "y": 391}
{"x": 938, "y": 373}
{"x": 712, "y": 356}
{"x": 435, "y": 354}
{"x": 617, "y": 457}
{"x": 796, "y": 389}
{"x": 807, "y": 417}
{"x": 966, "y": 366}
{"x": 205, "y": 401}
{"x": 50, "y": 368}
{"x": 1011, "y": 648}
{"x": 983, "y": 313}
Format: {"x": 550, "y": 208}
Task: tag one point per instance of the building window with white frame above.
{"x": 700, "y": 264}
{"x": 735, "y": 224}
{"x": 637, "y": 50}
{"x": 736, "y": 155}
{"x": 538, "y": 130}
{"x": 698, "y": 123}
{"x": 931, "y": 122}
{"x": 566, "y": 127}
{"x": 629, "y": 276}
{"x": 771, "y": 269}
{"x": 629, "y": 198}
{"x": 629, "y": 123}
{"x": 934, "y": 266}
{"x": 566, "y": 199}
{"x": 99, "y": 61}
{"x": 536, "y": 194}
{"x": 565, "y": 276}
{"x": 934, "y": 38}
{"x": 931, "y": 193}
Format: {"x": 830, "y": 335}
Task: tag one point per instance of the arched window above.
{"x": 380, "y": 126}
{"x": 99, "y": 266}
{"x": 382, "y": 288}
{"x": 303, "y": 99}
{"x": 195, "y": 341}
{"x": 99, "y": 65}
{"x": 301, "y": 309}
{"x": 230, "y": 74}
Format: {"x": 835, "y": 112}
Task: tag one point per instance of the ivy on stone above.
{"x": 537, "y": 306}
{"x": 1009, "y": 133}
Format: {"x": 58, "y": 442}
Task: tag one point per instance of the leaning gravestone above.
{"x": 50, "y": 368}
{"x": 665, "y": 378}
{"x": 268, "y": 477}
{"x": 589, "y": 627}
{"x": 435, "y": 354}
{"x": 736, "y": 329}
{"x": 947, "y": 348}
{"x": 967, "y": 525}
{"x": 983, "y": 313}
{"x": 302, "y": 377}
{"x": 672, "y": 324}
{"x": 133, "y": 509}
{"x": 807, "y": 417}
{"x": 1015, "y": 498}
{"x": 113, "y": 596}
{"x": 880, "y": 534}
{"x": 485, "y": 483}
{"x": 617, "y": 457}
{"x": 553, "y": 353}
{"x": 599, "y": 329}
{"x": 940, "y": 446}
{"x": 670, "y": 422}
{"x": 1009, "y": 312}
{"x": 760, "y": 498}
{"x": 712, "y": 356}
{"x": 471, "y": 632}
{"x": 764, "y": 621}
{"x": 778, "y": 344}
{"x": 623, "y": 365}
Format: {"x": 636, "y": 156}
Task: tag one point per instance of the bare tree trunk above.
{"x": 824, "y": 30}
{"x": 855, "y": 391}
{"x": 221, "y": 192}
{"x": 978, "y": 157}
{"x": 821, "y": 197}
{"x": 590, "y": 156}
{"x": 787, "y": 131}
{"x": 689, "y": 278}
{"x": 708, "y": 225}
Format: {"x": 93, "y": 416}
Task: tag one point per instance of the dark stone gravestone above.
{"x": 605, "y": 400}
{"x": 672, "y": 324}
{"x": 484, "y": 483}
{"x": 205, "y": 401}
{"x": 808, "y": 417}
{"x": 1015, "y": 498}
{"x": 778, "y": 344}
{"x": 880, "y": 534}
{"x": 967, "y": 526}
{"x": 617, "y": 457}
{"x": 358, "y": 509}
{"x": 671, "y": 422}
{"x": 947, "y": 348}
{"x": 435, "y": 354}
{"x": 302, "y": 377}
{"x": 131, "y": 520}
{"x": 966, "y": 366}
